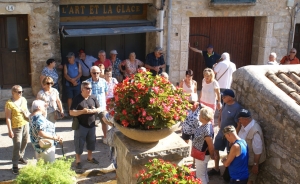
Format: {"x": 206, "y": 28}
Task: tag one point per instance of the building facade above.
{"x": 249, "y": 31}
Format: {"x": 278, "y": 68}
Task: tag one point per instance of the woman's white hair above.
{"x": 274, "y": 54}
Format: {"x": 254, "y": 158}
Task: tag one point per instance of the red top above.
{"x": 106, "y": 63}
{"x": 286, "y": 60}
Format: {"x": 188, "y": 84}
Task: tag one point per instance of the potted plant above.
{"x": 43, "y": 172}
{"x": 160, "y": 171}
{"x": 145, "y": 102}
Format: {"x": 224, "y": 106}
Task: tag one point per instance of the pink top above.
{"x": 131, "y": 68}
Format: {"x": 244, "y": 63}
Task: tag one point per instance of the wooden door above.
{"x": 14, "y": 51}
{"x": 233, "y": 35}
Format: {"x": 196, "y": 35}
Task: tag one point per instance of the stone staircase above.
{"x": 5, "y": 94}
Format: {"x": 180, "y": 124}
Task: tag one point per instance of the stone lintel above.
{"x": 137, "y": 153}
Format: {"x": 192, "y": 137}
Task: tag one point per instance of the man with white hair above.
{"x": 224, "y": 70}
{"x": 272, "y": 59}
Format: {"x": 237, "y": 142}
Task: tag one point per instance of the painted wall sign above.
{"x": 100, "y": 10}
{"x": 10, "y": 8}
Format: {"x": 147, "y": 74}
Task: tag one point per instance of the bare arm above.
{"x": 47, "y": 136}
{"x": 195, "y": 50}
{"x": 8, "y": 122}
{"x": 218, "y": 95}
{"x": 234, "y": 151}
{"x": 195, "y": 84}
{"x": 210, "y": 144}
{"x": 42, "y": 78}
{"x": 181, "y": 84}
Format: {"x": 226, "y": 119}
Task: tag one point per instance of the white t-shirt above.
{"x": 226, "y": 80}
{"x": 272, "y": 63}
{"x": 208, "y": 92}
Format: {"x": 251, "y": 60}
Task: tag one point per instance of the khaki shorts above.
{"x": 252, "y": 177}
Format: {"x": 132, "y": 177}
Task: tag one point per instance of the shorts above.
{"x": 83, "y": 135}
{"x": 73, "y": 91}
{"x": 220, "y": 142}
{"x": 186, "y": 136}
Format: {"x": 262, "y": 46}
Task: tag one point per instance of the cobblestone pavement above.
{"x": 92, "y": 174}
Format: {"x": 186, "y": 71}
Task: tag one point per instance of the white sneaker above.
{"x": 108, "y": 169}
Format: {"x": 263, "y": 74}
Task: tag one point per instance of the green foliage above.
{"x": 162, "y": 172}
{"x": 47, "y": 173}
{"x": 143, "y": 101}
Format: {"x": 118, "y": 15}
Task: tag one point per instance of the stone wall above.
{"x": 43, "y": 21}
{"x": 278, "y": 115}
{"x": 271, "y": 30}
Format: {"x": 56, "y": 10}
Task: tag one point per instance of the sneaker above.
{"x": 15, "y": 170}
{"x": 108, "y": 169}
{"x": 94, "y": 161}
{"x": 104, "y": 140}
{"x": 78, "y": 165}
{"x": 213, "y": 172}
{"x": 22, "y": 161}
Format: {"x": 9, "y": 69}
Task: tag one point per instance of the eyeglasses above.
{"x": 88, "y": 88}
{"x": 49, "y": 83}
{"x": 292, "y": 52}
{"x": 96, "y": 73}
{"x": 19, "y": 92}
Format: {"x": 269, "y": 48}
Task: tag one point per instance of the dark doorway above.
{"x": 233, "y": 35}
{"x": 124, "y": 44}
{"x": 296, "y": 44}
{"x": 14, "y": 51}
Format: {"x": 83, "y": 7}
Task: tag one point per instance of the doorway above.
{"x": 231, "y": 34}
{"x": 14, "y": 51}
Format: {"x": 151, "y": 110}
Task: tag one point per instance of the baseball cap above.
{"x": 36, "y": 104}
{"x": 210, "y": 46}
{"x": 159, "y": 49}
{"x": 244, "y": 113}
{"x": 113, "y": 52}
{"x": 228, "y": 129}
{"x": 81, "y": 51}
{"x": 70, "y": 54}
{"x": 228, "y": 92}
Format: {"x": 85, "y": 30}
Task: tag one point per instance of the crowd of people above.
{"x": 89, "y": 82}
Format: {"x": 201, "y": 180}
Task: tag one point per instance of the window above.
{"x": 12, "y": 33}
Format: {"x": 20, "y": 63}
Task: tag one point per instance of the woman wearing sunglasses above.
{"x": 50, "y": 70}
{"x": 51, "y": 97}
{"x": 16, "y": 115}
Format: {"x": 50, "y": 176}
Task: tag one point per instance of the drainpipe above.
{"x": 169, "y": 36}
{"x": 161, "y": 26}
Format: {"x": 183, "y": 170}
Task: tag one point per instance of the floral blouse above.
{"x": 50, "y": 73}
{"x": 110, "y": 87}
{"x": 115, "y": 68}
{"x": 132, "y": 67}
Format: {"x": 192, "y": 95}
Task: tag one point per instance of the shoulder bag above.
{"x": 197, "y": 154}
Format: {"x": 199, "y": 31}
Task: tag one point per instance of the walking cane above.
{"x": 62, "y": 149}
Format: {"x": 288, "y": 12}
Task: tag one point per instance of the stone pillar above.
{"x": 133, "y": 155}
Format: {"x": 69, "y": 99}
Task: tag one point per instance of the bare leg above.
{"x": 77, "y": 156}
{"x": 217, "y": 159}
{"x": 104, "y": 129}
{"x": 90, "y": 156}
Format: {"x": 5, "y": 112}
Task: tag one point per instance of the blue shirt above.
{"x": 50, "y": 73}
{"x": 115, "y": 68}
{"x": 210, "y": 60}
{"x": 86, "y": 64}
{"x": 38, "y": 123}
{"x": 238, "y": 168}
{"x": 72, "y": 71}
{"x": 151, "y": 60}
{"x": 99, "y": 89}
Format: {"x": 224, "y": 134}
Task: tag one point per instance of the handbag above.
{"x": 197, "y": 154}
{"x": 75, "y": 123}
{"x": 57, "y": 115}
{"x": 46, "y": 143}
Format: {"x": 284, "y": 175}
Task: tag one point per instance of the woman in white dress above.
{"x": 189, "y": 85}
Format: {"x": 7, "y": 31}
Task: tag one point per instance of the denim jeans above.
{"x": 201, "y": 169}
{"x": 20, "y": 139}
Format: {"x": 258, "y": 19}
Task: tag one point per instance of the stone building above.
{"x": 33, "y": 31}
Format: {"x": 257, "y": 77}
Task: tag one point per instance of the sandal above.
{"x": 94, "y": 161}
{"x": 78, "y": 165}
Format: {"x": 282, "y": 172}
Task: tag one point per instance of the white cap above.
{"x": 37, "y": 104}
{"x": 113, "y": 52}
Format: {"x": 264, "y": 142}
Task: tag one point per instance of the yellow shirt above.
{"x": 17, "y": 117}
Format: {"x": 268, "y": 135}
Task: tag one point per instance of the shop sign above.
{"x": 100, "y": 10}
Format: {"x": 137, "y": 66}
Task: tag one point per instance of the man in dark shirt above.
{"x": 210, "y": 57}
{"x": 155, "y": 61}
{"x": 84, "y": 107}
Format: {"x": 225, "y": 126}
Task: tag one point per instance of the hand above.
{"x": 224, "y": 159}
{"x": 62, "y": 114}
{"x": 212, "y": 156}
{"x": 156, "y": 68}
{"x": 254, "y": 169}
{"x": 11, "y": 134}
{"x": 59, "y": 139}
{"x": 75, "y": 83}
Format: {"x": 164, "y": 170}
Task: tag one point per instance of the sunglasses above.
{"x": 96, "y": 73}
{"x": 88, "y": 88}
{"x": 19, "y": 92}
{"x": 49, "y": 83}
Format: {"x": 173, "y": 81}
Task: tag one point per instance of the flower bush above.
{"x": 162, "y": 172}
{"x": 144, "y": 101}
